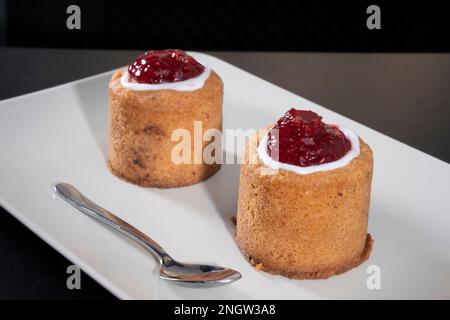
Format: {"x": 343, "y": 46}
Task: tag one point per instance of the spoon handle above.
{"x": 74, "y": 197}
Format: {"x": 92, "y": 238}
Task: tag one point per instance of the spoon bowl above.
{"x": 198, "y": 273}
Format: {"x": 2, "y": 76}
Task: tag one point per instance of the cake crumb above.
{"x": 258, "y": 267}
{"x": 233, "y": 220}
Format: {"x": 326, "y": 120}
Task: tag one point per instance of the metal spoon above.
{"x": 172, "y": 270}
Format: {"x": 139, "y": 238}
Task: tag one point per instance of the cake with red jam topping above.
{"x": 161, "y": 92}
{"x": 304, "y": 198}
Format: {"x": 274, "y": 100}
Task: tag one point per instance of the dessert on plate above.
{"x": 162, "y": 91}
{"x": 304, "y": 198}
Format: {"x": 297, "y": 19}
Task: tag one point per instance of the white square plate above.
{"x": 60, "y": 135}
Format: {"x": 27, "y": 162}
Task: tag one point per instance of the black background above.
{"x": 283, "y": 25}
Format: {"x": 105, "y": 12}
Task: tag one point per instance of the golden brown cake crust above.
{"x": 304, "y": 226}
{"x": 141, "y": 125}
{"x": 322, "y": 274}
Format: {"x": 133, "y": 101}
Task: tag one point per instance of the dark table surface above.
{"x": 406, "y": 96}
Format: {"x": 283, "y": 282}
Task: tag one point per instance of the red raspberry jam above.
{"x": 164, "y": 66}
{"x": 302, "y": 139}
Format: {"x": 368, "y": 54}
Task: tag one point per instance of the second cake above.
{"x": 161, "y": 92}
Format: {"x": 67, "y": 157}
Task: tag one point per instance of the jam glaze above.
{"x": 164, "y": 66}
{"x": 165, "y": 70}
{"x": 302, "y": 143}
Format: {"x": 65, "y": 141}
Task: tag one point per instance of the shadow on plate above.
{"x": 223, "y": 189}
{"x": 93, "y": 98}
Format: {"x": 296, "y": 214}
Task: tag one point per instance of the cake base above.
{"x": 146, "y": 181}
{"x": 308, "y": 226}
{"x": 320, "y": 274}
